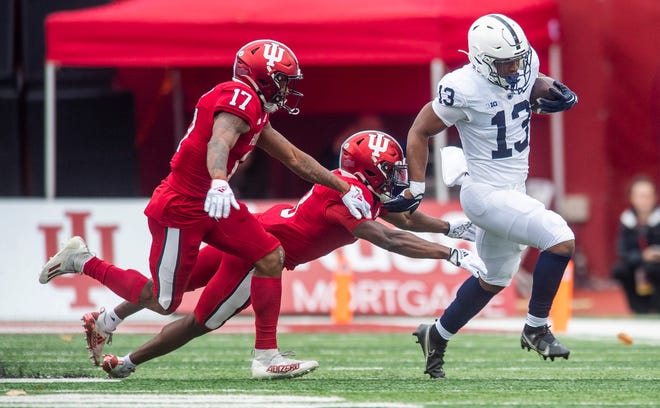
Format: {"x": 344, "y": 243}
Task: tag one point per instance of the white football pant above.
{"x": 508, "y": 220}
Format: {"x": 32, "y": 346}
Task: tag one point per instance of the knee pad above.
{"x": 553, "y": 230}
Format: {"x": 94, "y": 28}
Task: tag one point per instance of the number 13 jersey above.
{"x": 492, "y": 122}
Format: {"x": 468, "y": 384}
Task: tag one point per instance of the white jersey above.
{"x": 493, "y": 124}
{"x": 494, "y": 128}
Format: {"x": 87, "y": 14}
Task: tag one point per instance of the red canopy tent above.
{"x": 174, "y": 33}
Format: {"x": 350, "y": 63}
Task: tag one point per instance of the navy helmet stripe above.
{"x": 508, "y": 26}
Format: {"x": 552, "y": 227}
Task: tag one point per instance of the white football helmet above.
{"x": 495, "y": 39}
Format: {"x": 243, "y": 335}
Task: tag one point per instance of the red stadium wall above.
{"x": 612, "y": 60}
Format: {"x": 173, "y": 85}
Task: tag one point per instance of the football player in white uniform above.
{"x": 488, "y": 101}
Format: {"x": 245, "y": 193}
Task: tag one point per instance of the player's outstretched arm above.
{"x": 307, "y": 168}
{"x": 408, "y": 244}
{"x": 418, "y": 221}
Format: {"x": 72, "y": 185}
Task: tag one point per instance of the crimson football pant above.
{"x": 230, "y": 286}
{"x": 174, "y": 250}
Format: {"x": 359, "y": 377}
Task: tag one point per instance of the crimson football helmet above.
{"x": 494, "y": 39}
{"x": 271, "y": 69}
{"x": 377, "y": 160}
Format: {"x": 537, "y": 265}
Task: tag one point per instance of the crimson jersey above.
{"x": 318, "y": 224}
{"x": 189, "y": 175}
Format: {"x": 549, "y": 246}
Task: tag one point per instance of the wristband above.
{"x": 217, "y": 182}
{"x": 417, "y": 187}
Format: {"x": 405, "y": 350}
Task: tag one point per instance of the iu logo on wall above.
{"x": 34, "y": 230}
{"x": 79, "y": 224}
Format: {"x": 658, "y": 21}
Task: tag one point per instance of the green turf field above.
{"x": 356, "y": 370}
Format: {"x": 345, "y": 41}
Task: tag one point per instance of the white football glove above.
{"x": 220, "y": 199}
{"x": 468, "y": 261}
{"x": 356, "y": 204}
{"x": 463, "y": 229}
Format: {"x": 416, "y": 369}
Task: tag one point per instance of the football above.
{"x": 541, "y": 89}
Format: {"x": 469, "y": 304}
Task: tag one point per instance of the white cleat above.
{"x": 272, "y": 365}
{"x": 70, "y": 259}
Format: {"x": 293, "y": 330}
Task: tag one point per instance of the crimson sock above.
{"x": 127, "y": 283}
{"x": 266, "y": 295}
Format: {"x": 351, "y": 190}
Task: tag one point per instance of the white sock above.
{"x": 534, "y": 321}
{"x": 79, "y": 264}
{"x": 265, "y": 354}
{"x": 128, "y": 363}
{"x": 111, "y": 320}
{"x": 443, "y": 332}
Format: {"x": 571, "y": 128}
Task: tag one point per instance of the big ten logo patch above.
{"x": 78, "y": 221}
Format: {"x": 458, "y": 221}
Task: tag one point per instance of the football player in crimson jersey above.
{"x": 370, "y": 160}
{"x": 195, "y": 202}
{"x": 488, "y": 102}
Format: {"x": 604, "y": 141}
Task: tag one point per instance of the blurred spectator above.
{"x": 638, "y": 248}
{"x": 330, "y": 156}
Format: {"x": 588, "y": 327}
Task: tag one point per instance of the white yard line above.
{"x": 56, "y": 380}
{"x": 198, "y": 401}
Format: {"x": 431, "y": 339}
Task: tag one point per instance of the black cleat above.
{"x": 541, "y": 340}
{"x": 433, "y": 353}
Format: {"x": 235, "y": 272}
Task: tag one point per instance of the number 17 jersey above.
{"x": 190, "y": 175}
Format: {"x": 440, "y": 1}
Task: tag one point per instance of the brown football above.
{"x": 541, "y": 89}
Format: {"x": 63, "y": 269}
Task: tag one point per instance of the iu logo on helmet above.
{"x": 273, "y": 53}
{"x": 378, "y": 143}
